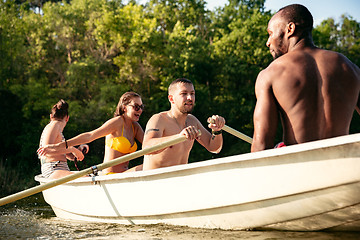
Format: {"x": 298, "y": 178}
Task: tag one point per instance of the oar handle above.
{"x": 233, "y": 132}
{"x": 116, "y": 161}
{"x": 237, "y": 134}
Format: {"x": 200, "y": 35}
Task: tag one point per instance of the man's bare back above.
{"x": 314, "y": 90}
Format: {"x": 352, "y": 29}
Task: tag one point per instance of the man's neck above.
{"x": 301, "y": 43}
{"x": 178, "y": 116}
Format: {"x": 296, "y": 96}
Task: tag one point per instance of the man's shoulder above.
{"x": 316, "y": 54}
{"x": 159, "y": 116}
{"x": 278, "y": 70}
{"x": 191, "y": 117}
{"x": 286, "y": 64}
{"x": 279, "y": 64}
{"x": 273, "y": 71}
{"x": 163, "y": 114}
{"x": 336, "y": 58}
{"x": 330, "y": 60}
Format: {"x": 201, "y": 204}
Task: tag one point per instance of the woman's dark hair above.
{"x": 60, "y": 110}
{"x": 125, "y": 99}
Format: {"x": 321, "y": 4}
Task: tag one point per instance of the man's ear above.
{"x": 290, "y": 30}
{"x": 171, "y": 98}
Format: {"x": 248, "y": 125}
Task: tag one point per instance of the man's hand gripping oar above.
{"x": 234, "y": 132}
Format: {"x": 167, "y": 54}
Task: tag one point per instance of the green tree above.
{"x": 188, "y": 12}
{"x": 325, "y": 35}
{"x": 350, "y": 38}
{"x": 343, "y": 37}
{"x": 240, "y": 53}
{"x": 12, "y": 44}
{"x": 37, "y": 5}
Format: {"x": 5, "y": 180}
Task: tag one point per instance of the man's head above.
{"x": 291, "y": 21}
{"x": 181, "y": 94}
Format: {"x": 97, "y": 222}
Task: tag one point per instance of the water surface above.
{"x": 32, "y": 218}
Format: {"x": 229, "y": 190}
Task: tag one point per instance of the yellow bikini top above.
{"x": 121, "y": 144}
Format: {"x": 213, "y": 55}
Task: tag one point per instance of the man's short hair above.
{"x": 179, "y": 80}
{"x": 299, "y": 15}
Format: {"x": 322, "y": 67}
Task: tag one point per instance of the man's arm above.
{"x": 212, "y": 142}
{"x": 357, "y": 73}
{"x": 154, "y": 133}
{"x": 265, "y": 114}
{"x": 155, "y": 128}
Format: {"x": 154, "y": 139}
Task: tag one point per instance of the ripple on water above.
{"x": 34, "y": 219}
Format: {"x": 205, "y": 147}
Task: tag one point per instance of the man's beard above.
{"x": 185, "y": 111}
{"x": 277, "y": 55}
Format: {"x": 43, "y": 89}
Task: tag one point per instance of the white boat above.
{"x": 305, "y": 187}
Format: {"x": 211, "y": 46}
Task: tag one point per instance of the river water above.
{"x": 32, "y": 218}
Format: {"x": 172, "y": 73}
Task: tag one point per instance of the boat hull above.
{"x": 305, "y": 187}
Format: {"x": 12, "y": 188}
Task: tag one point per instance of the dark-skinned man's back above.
{"x": 314, "y": 90}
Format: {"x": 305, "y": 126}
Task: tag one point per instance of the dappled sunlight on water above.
{"x": 32, "y": 218}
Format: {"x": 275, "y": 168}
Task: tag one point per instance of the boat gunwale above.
{"x": 242, "y": 159}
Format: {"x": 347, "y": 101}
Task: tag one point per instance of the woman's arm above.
{"x": 107, "y": 128}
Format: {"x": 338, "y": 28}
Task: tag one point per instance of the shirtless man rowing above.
{"x": 177, "y": 121}
{"x": 313, "y": 91}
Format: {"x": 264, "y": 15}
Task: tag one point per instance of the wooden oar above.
{"x": 116, "y": 161}
{"x": 237, "y": 134}
{"x": 234, "y": 132}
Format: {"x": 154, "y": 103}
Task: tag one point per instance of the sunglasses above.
{"x": 137, "y": 107}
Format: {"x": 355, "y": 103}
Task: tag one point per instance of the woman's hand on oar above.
{"x": 234, "y": 132}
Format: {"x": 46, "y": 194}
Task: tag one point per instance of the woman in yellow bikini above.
{"x": 120, "y": 133}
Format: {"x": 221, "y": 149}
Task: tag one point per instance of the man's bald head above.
{"x": 299, "y": 15}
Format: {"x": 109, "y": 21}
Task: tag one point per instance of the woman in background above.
{"x": 54, "y": 164}
{"x": 120, "y": 133}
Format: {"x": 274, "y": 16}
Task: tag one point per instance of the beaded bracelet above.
{"x": 66, "y": 145}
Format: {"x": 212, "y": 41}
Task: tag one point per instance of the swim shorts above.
{"x": 280, "y": 145}
{"x": 49, "y": 167}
